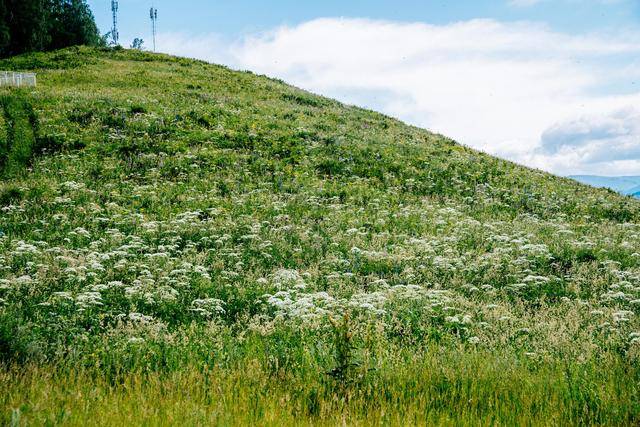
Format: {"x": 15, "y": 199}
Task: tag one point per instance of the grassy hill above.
{"x": 185, "y": 244}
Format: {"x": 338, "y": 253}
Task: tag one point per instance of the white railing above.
{"x": 8, "y": 78}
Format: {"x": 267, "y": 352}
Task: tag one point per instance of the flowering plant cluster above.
{"x": 247, "y": 206}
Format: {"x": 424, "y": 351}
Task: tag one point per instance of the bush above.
{"x": 10, "y": 195}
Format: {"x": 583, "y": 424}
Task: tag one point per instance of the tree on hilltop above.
{"x": 40, "y": 25}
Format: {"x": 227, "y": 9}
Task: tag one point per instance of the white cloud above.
{"x": 596, "y": 139}
{"x": 494, "y": 86}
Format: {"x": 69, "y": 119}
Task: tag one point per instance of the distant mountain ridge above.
{"x": 628, "y": 185}
{"x": 635, "y": 191}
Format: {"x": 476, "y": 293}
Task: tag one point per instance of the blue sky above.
{"x": 553, "y": 84}
{"x": 237, "y": 17}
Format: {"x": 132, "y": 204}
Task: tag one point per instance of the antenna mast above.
{"x": 153, "y": 14}
{"x": 114, "y": 31}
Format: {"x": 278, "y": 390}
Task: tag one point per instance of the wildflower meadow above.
{"x": 181, "y": 243}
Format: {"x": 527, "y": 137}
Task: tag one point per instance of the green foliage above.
{"x": 303, "y": 99}
{"x": 20, "y": 130}
{"x": 10, "y": 194}
{"x": 40, "y": 25}
{"x": 437, "y": 387}
{"x": 71, "y": 23}
{"x": 189, "y": 229}
{"x": 138, "y": 44}
{"x": 62, "y": 59}
{"x": 344, "y": 349}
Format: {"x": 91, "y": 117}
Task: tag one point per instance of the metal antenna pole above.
{"x": 153, "y": 14}
{"x": 114, "y": 31}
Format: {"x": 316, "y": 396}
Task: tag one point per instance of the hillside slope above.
{"x": 163, "y": 215}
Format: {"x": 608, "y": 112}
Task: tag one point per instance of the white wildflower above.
{"x": 207, "y": 307}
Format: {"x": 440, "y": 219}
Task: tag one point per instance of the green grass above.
{"x": 434, "y": 387}
{"x": 181, "y": 243}
{"x": 18, "y": 139}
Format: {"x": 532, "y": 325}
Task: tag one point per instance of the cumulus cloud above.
{"x": 608, "y": 137}
{"x": 517, "y": 90}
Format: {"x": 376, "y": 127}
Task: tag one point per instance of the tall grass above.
{"x": 433, "y": 387}
{"x": 18, "y": 137}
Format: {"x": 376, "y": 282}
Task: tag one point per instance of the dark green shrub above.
{"x": 48, "y": 144}
{"x": 302, "y": 99}
{"x": 137, "y": 109}
{"x": 80, "y": 116}
{"x": 10, "y": 195}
